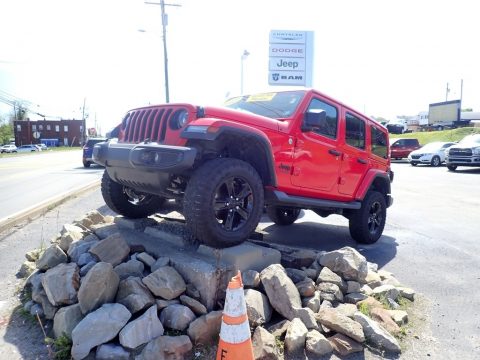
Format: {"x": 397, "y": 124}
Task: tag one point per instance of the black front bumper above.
{"x": 144, "y": 167}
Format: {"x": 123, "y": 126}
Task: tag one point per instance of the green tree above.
{"x": 6, "y": 132}
{"x": 467, "y": 110}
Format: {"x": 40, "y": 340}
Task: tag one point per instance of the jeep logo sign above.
{"x": 290, "y": 58}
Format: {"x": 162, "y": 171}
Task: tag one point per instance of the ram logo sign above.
{"x": 290, "y": 58}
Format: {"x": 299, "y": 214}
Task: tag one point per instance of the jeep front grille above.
{"x": 149, "y": 123}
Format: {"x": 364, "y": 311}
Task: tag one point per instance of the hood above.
{"x": 241, "y": 117}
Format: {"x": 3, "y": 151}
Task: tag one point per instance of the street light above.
{"x": 244, "y": 57}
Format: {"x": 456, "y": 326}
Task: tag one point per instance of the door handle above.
{"x": 361, "y": 161}
{"x": 334, "y": 152}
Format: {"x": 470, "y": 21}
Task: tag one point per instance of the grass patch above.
{"x": 61, "y": 346}
{"x": 364, "y": 309}
{"x": 425, "y": 137}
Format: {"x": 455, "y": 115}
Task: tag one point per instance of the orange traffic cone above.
{"x": 235, "y": 342}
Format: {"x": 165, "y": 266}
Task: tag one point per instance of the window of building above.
{"x": 65, "y": 128}
{"x": 57, "y": 128}
{"x": 355, "y": 131}
{"x": 34, "y": 127}
{"x": 49, "y": 127}
{"x": 81, "y": 128}
{"x": 19, "y": 128}
{"x": 379, "y": 142}
{"x": 40, "y": 127}
{"x": 329, "y": 128}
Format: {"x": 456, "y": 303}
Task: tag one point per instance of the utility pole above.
{"x": 164, "y": 37}
{"x": 446, "y": 94}
{"x": 83, "y": 139}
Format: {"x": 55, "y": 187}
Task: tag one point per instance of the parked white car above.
{"x": 27, "y": 148}
{"x": 432, "y": 154}
{"x": 8, "y": 149}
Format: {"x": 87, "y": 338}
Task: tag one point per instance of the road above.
{"x": 29, "y": 179}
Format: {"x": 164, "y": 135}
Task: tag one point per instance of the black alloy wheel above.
{"x": 367, "y": 223}
{"x": 282, "y": 215}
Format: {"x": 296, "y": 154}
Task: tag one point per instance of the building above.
{"x": 49, "y": 132}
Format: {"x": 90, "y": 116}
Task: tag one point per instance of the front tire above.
{"x": 435, "y": 161}
{"x": 86, "y": 164}
{"x": 127, "y": 202}
{"x": 223, "y": 202}
{"x": 282, "y": 215}
{"x": 452, "y": 167}
{"x": 367, "y": 223}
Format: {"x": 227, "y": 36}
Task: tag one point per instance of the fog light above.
{"x": 150, "y": 157}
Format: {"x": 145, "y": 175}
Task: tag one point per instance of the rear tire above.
{"x": 127, "y": 202}
{"x": 223, "y": 202}
{"x": 367, "y": 223}
{"x": 86, "y": 164}
{"x": 413, "y": 164}
{"x": 282, "y": 215}
{"x": 435, "y": 161}
{"x": 452, "y": 167}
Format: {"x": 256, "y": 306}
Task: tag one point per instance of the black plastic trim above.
{"x": 280, "y": 198}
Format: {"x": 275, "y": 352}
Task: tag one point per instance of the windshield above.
{"x": 435, "y": 146}
{"x": 276, "y": 105}
{"x": 470, "y": 139}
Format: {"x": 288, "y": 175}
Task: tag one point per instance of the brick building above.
{"x": 50, "y": 132}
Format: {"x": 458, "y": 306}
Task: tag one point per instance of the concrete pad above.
{"x": 246, "y": 256}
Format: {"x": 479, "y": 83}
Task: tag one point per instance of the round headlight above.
{"x": 179, "y": 119}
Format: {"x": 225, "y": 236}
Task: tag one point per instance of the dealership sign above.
{"x": 290, "y": 58}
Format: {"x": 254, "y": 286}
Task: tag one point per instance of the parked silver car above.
{"x": 431, "y": 154}
{"x": 27, "y": 148}
{"x": 8, "y": 149}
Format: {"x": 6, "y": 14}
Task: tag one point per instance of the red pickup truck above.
{"x": 286, "y": 151}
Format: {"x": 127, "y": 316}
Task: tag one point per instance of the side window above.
{"x": 329, "y": 128}
{"x": 355, "y": 131}
{"x": 379, "y": 142}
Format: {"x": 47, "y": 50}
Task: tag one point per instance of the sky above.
{"x": 384, "y": 58}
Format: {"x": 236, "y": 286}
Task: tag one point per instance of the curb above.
{"x": 42, "y": 208}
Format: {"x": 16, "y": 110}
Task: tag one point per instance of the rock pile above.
{"x": 116, "y": 301}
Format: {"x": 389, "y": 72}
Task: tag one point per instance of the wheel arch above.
{"x": 250, "y": 146}
{"x": 377, "y": 181}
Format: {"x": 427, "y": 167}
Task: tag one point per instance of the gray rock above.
{"x": 134, "y": 295}
{"x": 162, "y": 304}
{"x": 281, "y": 291}
{"x": 129, "y": 268}
{"x": 134, "y": 224}
{"x": 328, "y": 276}
{"x": 344, "y": 346}
{"x": 353, "y": 286}
{"x": 251, "y": 278}
{"x": 66, "y": 319}
{"x": 111, "y": 352}
{"x": 376, "y": 335}
{"x": 347, "y": 309}
{"x": 296, "y": 336}
{"x": 259, "y": 310}
{"x": 279, "y": 329}
{"x": 307, "y": 316}
{"x": 80, "y": 247}
{"x": 354, "y": 298}
{"x": 383, "y": 318}
{"x": 264, "y": 345}
{"x": 104, "y": 230}
{"x": 141, "y": 330}
{"x": 347, "y": 262}
{"x": 68, "y": 238}
{"x": 296, "y": 275}
{"x": 306, "y": 287}
{"x": 33, "y": 255}
{"x": 53, "y": 256}
{"x": 61, "y": 284}
{"x": 113, "y": 249}
{"x": 165, "y": 282}
{"x": 28, "y": 305}
{"x": 167, "y": 348}
{"x": 27, "y": 268}
{"x": 205, "y": 329}
{"x": 146, "y": 258}
{"x": 86, "y": 258}
{"x": 399, "y": 316}
{"x": 330, "y": 292}
{"x": 317, "y": 344}
{"x": 86, "y": 268}
{"x": 407, "y": 293}
{"x": 387, "y": 291}
{"x": 97, "y": 328}
{"x": 36, "y": 309}
{"x": 98, "y": 287}
{"x": 335, "y": 320}
{"x": 177, "y": 317}
{"x": 160, "y": 262}
{"x": 312, "y": 302}
{"x": 196, "y": 306}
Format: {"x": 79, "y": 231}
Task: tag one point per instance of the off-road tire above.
{"x": 452, "y": 167}
{"x": 367, "y": 223}
{"x": 223, "y": 202}
{"x": 435, "y": 162}
{"x": 117, "y": 199}
{"x": 282, "y": 215}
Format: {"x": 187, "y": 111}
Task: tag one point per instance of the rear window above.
{"x": 411, "y": 142}
{"x": 92, "y": 142}
{"x": 379, "y": 142}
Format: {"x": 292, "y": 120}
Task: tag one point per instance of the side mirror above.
{"x": 314, "y": 119}
{"x": 114, "y": 132}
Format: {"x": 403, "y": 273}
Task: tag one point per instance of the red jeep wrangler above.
{"x": 288, "y": 150}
